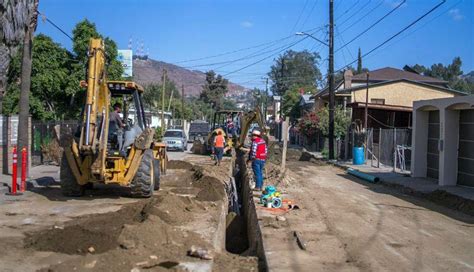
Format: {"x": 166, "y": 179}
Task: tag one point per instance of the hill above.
{"x": 469, "y": 77}
{"x": 147, "y": 71}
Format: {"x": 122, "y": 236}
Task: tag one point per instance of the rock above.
{"x": 154, "y": 257}
{"x": 91, "y": 264}
{"x": 127, "y": 244}
{"x": 280, "y": 218}
{"x": 135, "y": 270}
{"x": 200, "y": 253}
{"x": 91, "y": 249}
{"x": 142, "y": 263}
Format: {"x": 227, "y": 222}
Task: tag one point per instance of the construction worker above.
{"x": 116, "y": 125}
{"x": 219, "y": 143}
{"x": 258, "y": 156}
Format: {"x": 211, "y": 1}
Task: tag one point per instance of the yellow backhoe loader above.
{"x": 101, "y": 152}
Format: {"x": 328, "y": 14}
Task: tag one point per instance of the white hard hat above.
{"x": 256, "y": 132}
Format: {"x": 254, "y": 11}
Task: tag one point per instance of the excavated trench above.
{"x": 162, "y": 226}
{"x": 243, "y": 235}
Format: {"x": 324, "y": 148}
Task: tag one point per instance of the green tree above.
{"x": 291, "y": 98}
{"x": 451, "y": 73}
{"x": 214, "y": 89}
{"x": 294, "y": 69}
{"x": 56, "y": 73}
{"x": 341, "y": 121}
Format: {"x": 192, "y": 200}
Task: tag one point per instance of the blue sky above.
{"x": 181, "y": 30}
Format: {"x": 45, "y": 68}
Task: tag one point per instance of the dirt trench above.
{"x": 153, "y": 233}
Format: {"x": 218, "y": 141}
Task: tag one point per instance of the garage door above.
{"x": 432, "y": 160}
{"x": 466, "y": 148}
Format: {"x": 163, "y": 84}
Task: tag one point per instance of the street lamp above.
{"x": 311, "y": 36}
{"x": 330, "y": 78}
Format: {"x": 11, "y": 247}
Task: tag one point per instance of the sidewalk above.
{"x": 39, "y": 175}
{"x": 455, "y": 197}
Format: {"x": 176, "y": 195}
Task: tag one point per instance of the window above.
{"x": 377, "y": 101}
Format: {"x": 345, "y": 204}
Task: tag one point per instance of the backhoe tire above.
{"x": 69, "y": 185}
{"x": 142, "y": 184}
{"x": 156, "y": 174}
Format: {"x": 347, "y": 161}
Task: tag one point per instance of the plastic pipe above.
{"x": 363, "y": 176}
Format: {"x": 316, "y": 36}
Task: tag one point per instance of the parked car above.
{"x": 198, "y": 130}
{"x": 175, "y": 139}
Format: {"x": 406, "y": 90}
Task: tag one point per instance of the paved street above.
{"x": 352, "y": 225}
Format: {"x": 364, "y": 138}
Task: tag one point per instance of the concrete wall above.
{"x": 400, "y": 93}
{"x": 449, "y": 136}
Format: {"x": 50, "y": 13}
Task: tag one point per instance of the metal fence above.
{"x": 390, "y": 147}
{"x": 45, "y": 139}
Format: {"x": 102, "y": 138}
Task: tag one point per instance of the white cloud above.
{"x": 456, "y": 14}
{"x": 246, "y": 24}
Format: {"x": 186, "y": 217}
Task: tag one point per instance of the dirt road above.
{"x": 351, "y": 225}
{"x": 108, "y": 231}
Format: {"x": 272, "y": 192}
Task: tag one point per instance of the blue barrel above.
{"x": 358, "y": 156}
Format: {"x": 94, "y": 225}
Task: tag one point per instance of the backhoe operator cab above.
{"x": 102, "y": 151}
{"x": 126, "y": 95}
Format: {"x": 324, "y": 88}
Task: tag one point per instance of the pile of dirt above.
{"x": 292, "y": 154}
{"x": 211, "y": 189}
{"x": 176, "y": 210}
{"x": 98, "y": 231}
{"x": 173, "y": 164}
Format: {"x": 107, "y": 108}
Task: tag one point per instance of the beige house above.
{"x": 390, "y": 97}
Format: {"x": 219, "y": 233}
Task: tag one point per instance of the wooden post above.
{"x": 285, "y": 144}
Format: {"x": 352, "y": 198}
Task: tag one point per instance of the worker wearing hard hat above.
{"x": 258, "y": 156}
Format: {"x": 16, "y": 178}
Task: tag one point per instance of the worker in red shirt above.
{"x": 219, "y": 143}
{"x": 258, "y": 156}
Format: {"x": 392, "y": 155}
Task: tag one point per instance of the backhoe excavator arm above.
{"x": 246, "y": 121}
{"x": 95, "y": 125}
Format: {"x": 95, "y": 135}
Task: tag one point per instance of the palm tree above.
{"x": 18, "y": 20}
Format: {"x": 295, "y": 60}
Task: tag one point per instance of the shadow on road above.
{"x": 99, "y": 191}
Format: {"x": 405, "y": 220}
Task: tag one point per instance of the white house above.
{"x": 443, "y": 140}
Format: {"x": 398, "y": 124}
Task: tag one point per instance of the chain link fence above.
{"x": 390, "y": 147}
{"x": 46, "y": 137}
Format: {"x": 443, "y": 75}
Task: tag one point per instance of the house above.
{"x": 390, "y": 94}
{"x": 443, "y": 140}
{"x": 276, "y": 107}
{"x": 305, "y": 103}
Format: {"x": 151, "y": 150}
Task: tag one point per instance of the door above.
{"x": 432, "y": 160}
{"x": 466, "y": 148}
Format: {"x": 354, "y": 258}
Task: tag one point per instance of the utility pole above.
{"x": 163, "y": 104}
{"x": 331, "y": 79}
{"x": 266, "y": 100}
{"x": 366, "y": 103}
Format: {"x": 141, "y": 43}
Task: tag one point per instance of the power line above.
{"x": 245, "y": 67}
{"x": 299, "y": 17}
{"x": 362, "y": 17}
{"x": 395, "y": 35}
{"x": 355, "y": 13}
{"x": 374, "y": 24}
{"x": 43, "y": 16}
{"x": 243, "y": 49}
{"x": 309, "y": 14}
{"x": 252, "y": 55}
{"x": 425, "y": 24}
{"x": 347, "y": 10}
